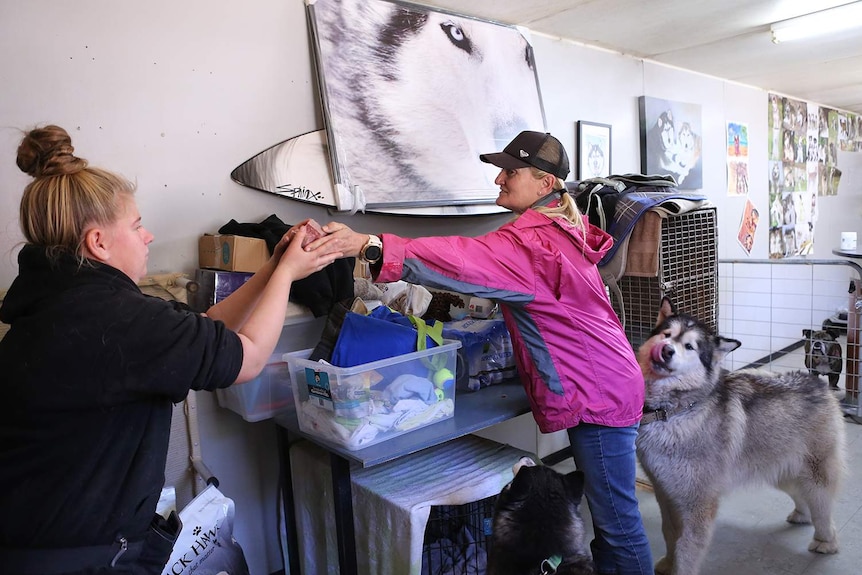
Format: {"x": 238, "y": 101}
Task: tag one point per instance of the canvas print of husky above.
{"x": 412, "y": 96}
{"x": 671, "y": 140}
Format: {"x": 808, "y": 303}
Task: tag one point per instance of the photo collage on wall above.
{"x": 804, "y": 140}
{"x": 849, "y": 132}
{"x": 799, "y": 156}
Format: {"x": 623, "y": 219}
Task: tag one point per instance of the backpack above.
{"x": 597, "y": 198}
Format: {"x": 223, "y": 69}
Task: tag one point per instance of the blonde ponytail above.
{"x": 566, "y": 209}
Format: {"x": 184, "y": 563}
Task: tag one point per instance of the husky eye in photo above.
{"x": 457, "y": 37}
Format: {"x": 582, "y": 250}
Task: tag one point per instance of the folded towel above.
{"x": 644, "y": 244}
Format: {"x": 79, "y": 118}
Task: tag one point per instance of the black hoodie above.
{"x": 90, "y": 368}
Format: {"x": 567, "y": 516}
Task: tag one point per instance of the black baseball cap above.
{"x": 538, "y": 149}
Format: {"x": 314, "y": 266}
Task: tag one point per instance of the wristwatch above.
{"x": 372, "y": 251}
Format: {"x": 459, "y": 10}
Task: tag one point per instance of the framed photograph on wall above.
{"x": 594, "y": 150}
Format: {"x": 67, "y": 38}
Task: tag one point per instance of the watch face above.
{"x": 373, "y": 253}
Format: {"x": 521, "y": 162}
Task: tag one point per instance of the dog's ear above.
{"x": 666, "y": 309}
{"x": 522, "y": 462}
{"x": 834, "y": 332}
{"x": 806, "y": 333}
{"x": 724, "y": 346}
{"x": 575, "y": 484}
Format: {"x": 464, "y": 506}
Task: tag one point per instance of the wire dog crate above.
{"x": 687, "y": 274}
{"x": 456, "y": 537}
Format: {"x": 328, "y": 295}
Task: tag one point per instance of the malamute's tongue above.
{"x": 656, "y": 355}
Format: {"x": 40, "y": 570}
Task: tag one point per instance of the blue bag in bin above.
{"x": 380, "y": 335}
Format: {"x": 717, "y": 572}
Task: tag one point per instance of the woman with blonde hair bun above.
{"x": 92, "y": 367}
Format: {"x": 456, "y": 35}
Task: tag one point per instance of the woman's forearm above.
{"x": 262, "y": 325}
{"x": 234, "y": 310}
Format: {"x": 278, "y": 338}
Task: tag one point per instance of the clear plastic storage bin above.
{"x": 261, "y": 398}
{"x": 366, "y": 404}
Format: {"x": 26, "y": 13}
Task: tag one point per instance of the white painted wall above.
{"x": 174, "y": 95}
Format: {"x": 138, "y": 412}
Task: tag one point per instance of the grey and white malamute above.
{"x": 537, "y": 525}
{"x": 706, "y": 431}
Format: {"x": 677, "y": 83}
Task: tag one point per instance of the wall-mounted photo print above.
{"x": 671, "y": 137}
{"x": 594, "y": 150}
{"x": 737, "y": 159}
{"x": 748, "y": 226}
{"x": 412, "y": 96}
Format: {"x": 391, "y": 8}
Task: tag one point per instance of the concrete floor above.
{"x": 751, "y": 535}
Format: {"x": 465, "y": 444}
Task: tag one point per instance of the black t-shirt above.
{"x": 90, "y": 368}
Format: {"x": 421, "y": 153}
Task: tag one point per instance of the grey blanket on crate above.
{"x": 392, "y": 503}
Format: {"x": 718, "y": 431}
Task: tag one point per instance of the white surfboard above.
{"x": 299, "y": 169}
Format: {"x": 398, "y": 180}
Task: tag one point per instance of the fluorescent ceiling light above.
{"x": 845, "y": 17}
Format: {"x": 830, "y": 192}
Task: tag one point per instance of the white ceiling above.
{"x": 728, "y": 39}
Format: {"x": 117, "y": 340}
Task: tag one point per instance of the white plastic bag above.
{"x": 206, "y": 545}
{"x": 405, "y": 298}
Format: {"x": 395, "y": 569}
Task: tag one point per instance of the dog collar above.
{"x": 549, "y": 565}
{"x": 653, "y": 415}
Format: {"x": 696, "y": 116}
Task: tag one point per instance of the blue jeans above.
{"x": 606, "y": 455}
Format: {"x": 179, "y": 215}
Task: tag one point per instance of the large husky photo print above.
{"x": 413, "y": 95}
{"x": 706, "y": 431}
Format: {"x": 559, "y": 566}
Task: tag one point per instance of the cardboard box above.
{"x": 232, "y": 253}
{"x": 359, "y": 406}
{"x": 213, "y": 286}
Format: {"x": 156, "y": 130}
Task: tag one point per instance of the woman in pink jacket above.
{"x": 577, "y": 366}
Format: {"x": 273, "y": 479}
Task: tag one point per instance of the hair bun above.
{"x": 48, "y": 151}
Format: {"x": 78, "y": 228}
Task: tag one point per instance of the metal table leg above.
{"x": 288, "y": 503}
{"x": 343, "y": 498}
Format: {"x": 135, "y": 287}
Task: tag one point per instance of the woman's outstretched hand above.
{"x": 349, "y": 242}
{"x": 301, "y": 261}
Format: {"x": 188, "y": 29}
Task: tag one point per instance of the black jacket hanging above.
{"x": 320, "y": 290}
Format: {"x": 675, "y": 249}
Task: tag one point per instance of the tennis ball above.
{"x": 442, "y": 377}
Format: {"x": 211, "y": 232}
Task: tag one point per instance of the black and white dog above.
{"x": 537, "y": 524}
